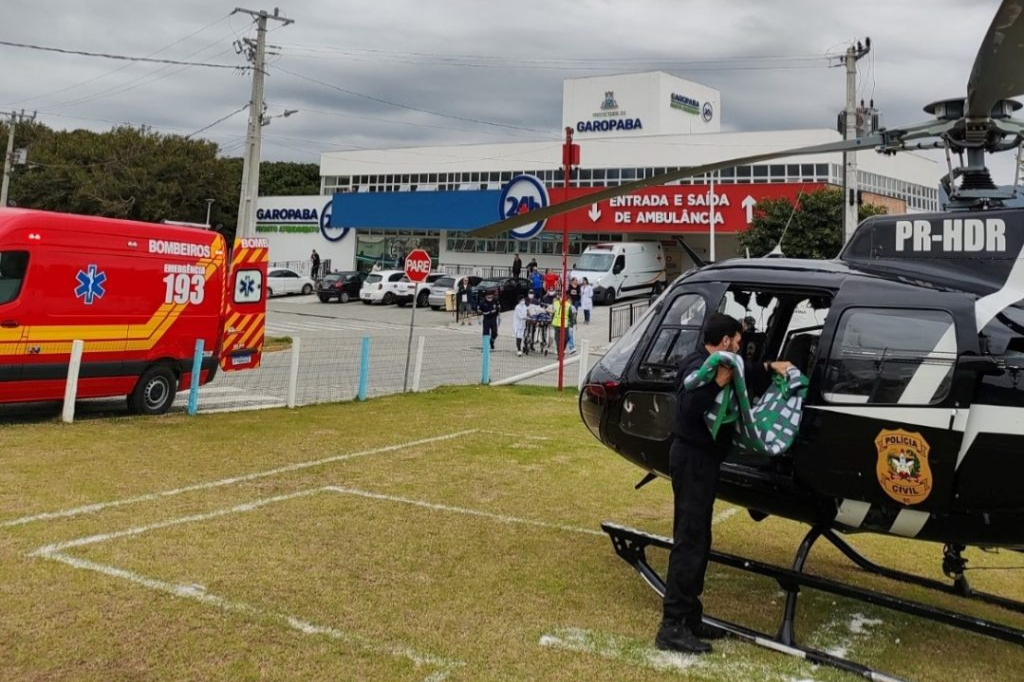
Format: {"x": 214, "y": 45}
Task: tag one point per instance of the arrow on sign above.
{"x": 748, "y": 203}
{"x": 594, "y": 213}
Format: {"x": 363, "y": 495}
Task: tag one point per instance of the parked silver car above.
{"x": 448, "y": 283}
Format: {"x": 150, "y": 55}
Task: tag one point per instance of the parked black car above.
{"x": 509, "y": 289}
{"x": 343, "y": 286}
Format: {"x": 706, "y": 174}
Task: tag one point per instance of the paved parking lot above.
{"x": 306, "y": 316}
{"x": 331, "y": 335}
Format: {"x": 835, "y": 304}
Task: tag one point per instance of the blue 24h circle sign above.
{"x": 331, "y": 234}
{"x": 522, "y": 194}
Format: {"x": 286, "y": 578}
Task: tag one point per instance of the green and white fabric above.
{"x": 770, "y": 427}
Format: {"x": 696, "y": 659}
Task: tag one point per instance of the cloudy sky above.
{"x": 395, "y": 73}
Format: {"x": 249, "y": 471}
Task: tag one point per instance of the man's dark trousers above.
{"x": 694, "y": 481}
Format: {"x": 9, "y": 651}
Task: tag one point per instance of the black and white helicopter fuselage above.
{"x": 914, "y": 419}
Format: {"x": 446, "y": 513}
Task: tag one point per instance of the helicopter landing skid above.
{"x": 953, "y": 564}
{"x": 631, "y": 544}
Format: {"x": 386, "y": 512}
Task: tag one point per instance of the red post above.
{"x": 570, "y": 158}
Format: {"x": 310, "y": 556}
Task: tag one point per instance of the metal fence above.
{"x": 622, "y": 316}
{"x": 322, "y": 370}
{"x": 303, "y": 267}
{"x": 487, "y": 270}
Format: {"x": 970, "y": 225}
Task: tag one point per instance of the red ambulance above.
{"x": 138, "y": 295}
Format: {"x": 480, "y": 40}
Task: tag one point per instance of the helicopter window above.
{"x": 1003, "y": 339}
{"x": 677, "y": 338}
{"x": 889, "y": 356}
{"x": 617, "y": 357}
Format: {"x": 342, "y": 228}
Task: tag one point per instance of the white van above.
{"x": 622, "y": 269}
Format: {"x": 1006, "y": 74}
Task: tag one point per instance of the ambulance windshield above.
{"x": 595, "y": 262}
{"x": 12, "y": 272}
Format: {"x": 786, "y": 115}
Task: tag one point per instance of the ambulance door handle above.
{"x": 9, "y": 324}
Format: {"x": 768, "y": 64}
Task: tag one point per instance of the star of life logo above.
{"x": 90, "y": 284}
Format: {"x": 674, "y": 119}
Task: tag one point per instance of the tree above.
{"x": 284, "y": 178}
{"x": 132, "y": 173}
{"x": 124, "y": 173}
{"x": 815, "y": 226}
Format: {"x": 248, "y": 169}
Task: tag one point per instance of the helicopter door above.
{"x": 879, "y": 418}
{"x": 649, "y": 406}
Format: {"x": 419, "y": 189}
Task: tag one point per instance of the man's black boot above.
{"x": 677, "y": 637}
{"x": 704, "y": 630}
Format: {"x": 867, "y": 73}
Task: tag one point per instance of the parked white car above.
{"x": 422, "y": 290}
{"x": 384, "y": 286}
{"x": 284, "y": 281}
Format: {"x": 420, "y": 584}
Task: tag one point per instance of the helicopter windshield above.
{"x": 595, "y": 262}
{"x": 617, "y": 357}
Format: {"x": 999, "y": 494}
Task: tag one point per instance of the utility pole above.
{"x": 255, "y": 53}
{"x": 10, "y": 155}
{"x": 853, "y": 54}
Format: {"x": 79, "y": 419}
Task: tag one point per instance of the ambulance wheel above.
{"x": 344, "y": 297}
{"x": 307, "y": 289}
{"x": 609, "y": 296}
{"x": 154, "y": 393}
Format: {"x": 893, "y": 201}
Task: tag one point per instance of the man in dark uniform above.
{"x": 693, "y": 462}
{"x": 489, "y": 310}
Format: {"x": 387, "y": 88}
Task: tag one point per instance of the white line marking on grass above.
{"x": 462, "y": 510}
{"x": 55, "y": 552}
{"x": 196, "y": 593}
{"x": 723, "y": 515}
{"x": 195, "y": 518}
{"x": 629, "y": 651}
{"x": 99, "y": 506}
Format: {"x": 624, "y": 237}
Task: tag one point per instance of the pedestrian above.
{"x": 560, "y": 312}
{"x": 532, "y": 265}
{"x": 517, "y": 266}
{"x": 489, "y": 311}
{"x": 315, "y": 258}
{"x": 694, "y": 460}
{"x": 574, "y": 292}
{"x": 537, "y": 282}
{"x": 586, "y": 299}
{"x": 570, "y": 330}
{"x": 519, "y": 324}
{"x": 550, "y": 281}
{"x": 462, "y": 301}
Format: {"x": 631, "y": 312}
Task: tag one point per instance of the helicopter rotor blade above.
{"x": 861, "y": 143}
{"x": 997, "y": 73}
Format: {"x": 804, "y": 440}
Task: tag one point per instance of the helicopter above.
{"x": 913, "y": 342}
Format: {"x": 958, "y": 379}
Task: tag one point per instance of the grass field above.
{"x": 444, "y": 536}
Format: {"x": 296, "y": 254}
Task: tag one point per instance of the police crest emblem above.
{"x": 902, "y": 469}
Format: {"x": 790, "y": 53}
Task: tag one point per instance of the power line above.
{"x": 219, "y": 120}
{"x": 735, "y": 64}
{"x": 120, "y": 68}
{"x": 377, "y": 119}
{"x": 549, "y": 60}
{"x": 120, "y": 56}
{"x": 406, "y": 106}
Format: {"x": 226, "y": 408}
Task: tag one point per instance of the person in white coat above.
{"x": 586, "y": 299}
{"x": 519, "y": 324}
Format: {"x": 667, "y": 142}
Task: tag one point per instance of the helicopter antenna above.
{"x": 777, "y": 251}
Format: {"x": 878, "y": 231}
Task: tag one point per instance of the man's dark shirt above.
{"x": 690, "y": 426}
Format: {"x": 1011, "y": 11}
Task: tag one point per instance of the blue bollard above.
{"x": 364, "y": 368}
{"x": 197, "y": 367}
{"x": 485, "y": 369}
